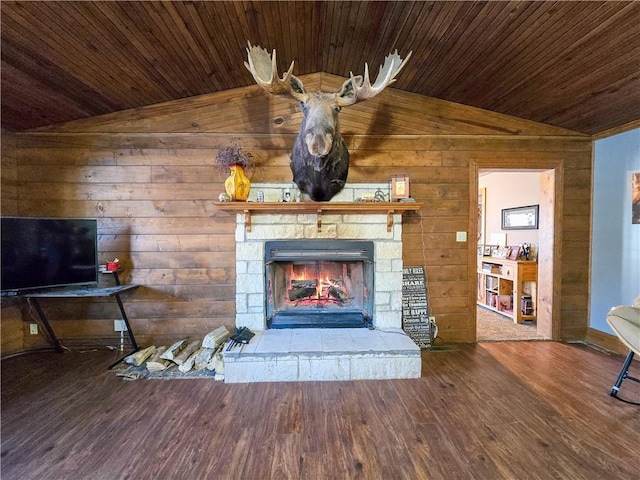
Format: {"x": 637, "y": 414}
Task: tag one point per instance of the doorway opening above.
{"x": 504, "y": 188}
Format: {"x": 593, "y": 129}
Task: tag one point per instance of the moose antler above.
{"x": 386, "y": 76}
{"x": 265, "y": 72}
{"x": 320, "y": 158}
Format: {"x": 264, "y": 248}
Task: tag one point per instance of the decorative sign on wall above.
{"x": 415, "y": 307}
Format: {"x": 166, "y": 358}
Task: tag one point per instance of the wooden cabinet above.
{"x": 508, "y": 287}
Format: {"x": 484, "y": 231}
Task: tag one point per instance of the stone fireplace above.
{"x": 306, "y": 285}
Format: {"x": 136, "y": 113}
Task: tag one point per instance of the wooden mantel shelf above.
{"x": 388, "y": 208}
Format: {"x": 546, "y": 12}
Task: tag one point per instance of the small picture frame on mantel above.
{"x": 400, "y": 187}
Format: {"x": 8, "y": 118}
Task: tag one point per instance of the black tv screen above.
{"x": 40, "y": 253}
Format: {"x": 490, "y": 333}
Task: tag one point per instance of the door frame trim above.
{"x": 549, "y": 299}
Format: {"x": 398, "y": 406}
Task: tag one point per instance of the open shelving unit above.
{"x": 501, "y": 287}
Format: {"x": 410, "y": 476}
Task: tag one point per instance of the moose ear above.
{"x": 296, "y": 85}
{"x": 348, "y": 90}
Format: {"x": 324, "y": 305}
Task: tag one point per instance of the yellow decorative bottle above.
{"x": 237, "y": 185}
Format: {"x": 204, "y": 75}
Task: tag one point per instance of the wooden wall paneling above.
{"x": 489, "y": 147}
{"x": 80, "y": 174}
{"x": 12, "y": 331}
{"x": 247, "y": 109}
{"x": 153, "y": 193}
{"x": 139, "y": 308}
{"x": 8, "y": 178}
{"x": 13, "y": 334}
{"x": 125, "y": 192}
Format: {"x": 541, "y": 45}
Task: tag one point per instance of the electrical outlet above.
{"x": 432, "y": 319}
{"x": 33, "y": 328}
{"x": 461, "y": 236}
{"x": 119, "y": 326}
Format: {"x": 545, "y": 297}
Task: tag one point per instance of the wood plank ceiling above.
{"x": 570, "y": 64}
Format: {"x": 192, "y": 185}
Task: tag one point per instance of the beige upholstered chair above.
{"x": 625, "y": 322}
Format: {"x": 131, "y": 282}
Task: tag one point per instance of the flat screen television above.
{"x": 42, "y": 253}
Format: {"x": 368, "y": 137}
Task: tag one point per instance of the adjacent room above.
{"x": 320, "y": 240}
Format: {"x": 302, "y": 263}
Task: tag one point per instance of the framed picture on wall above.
{"x": 482, "y": 214}
{"x": 520, "y": 218}
{"x": 635, "y": 198}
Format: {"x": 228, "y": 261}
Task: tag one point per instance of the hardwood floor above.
{"x": 512, "y": 410}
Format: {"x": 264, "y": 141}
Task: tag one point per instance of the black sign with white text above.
{"x": 415, "y": 308}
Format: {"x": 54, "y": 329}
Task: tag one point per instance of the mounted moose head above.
{"x": 320, "y": 160}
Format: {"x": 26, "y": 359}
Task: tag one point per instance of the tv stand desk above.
{"x": 84, "y": 293}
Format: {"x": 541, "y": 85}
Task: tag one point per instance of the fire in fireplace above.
{"x": 319, "y": 284}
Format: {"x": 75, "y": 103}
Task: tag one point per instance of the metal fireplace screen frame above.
{"x": 335, "y": 255}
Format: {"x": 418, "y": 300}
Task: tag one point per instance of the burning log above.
{"x": 302, "y": 288}
{"x": 338, "y": 293}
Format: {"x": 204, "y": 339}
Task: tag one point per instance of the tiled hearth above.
{"x": 321, "y": 354}
{"x": 313, "y": 354}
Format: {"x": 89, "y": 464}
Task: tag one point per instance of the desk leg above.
{"x": 134, "y": 344}
{"x": 47, "y": 327}
{"x": 126, "y": 322}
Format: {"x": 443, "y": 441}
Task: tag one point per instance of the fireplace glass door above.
{"x": 319, "y": 284}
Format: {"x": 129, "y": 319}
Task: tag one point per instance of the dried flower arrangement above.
{"x": 232, "y": 154}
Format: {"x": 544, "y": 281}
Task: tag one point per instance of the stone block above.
{"x": 388, "y": 281}
{"x": 283, "y": 371}
{"x": 328, "y": 231}
{"x": 242, "y": 266}
{"x": 384, "y": 265}
{"x": 255, "y": 300}
{"x": 389, "y": 319}
{"x": 395, "y": 302}
{"x": 273, "y": 219}
{"x": 363, "y": 231}
{"x": 384, "y": 367}
{"x": 254, "y": 321}
{"x": 275, "y": 232}
{"x": 335, "y": 368}
{"x": 240, "y": 230}
{"x": 249, "y": 251}
{"x": 255, "y": 266}
{"x": 242, "y": 305}
{"x": 366, "y": 219}
{"x": 249, "y": 283}
{"x": 396, "y": 265}
{"x": 388, "y": 250}
{"x": 382, "y": 299}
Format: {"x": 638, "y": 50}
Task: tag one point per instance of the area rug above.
{"x": 493, "y": 327}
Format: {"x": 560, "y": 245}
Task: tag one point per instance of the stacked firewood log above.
{"x": 196, "y": 355}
